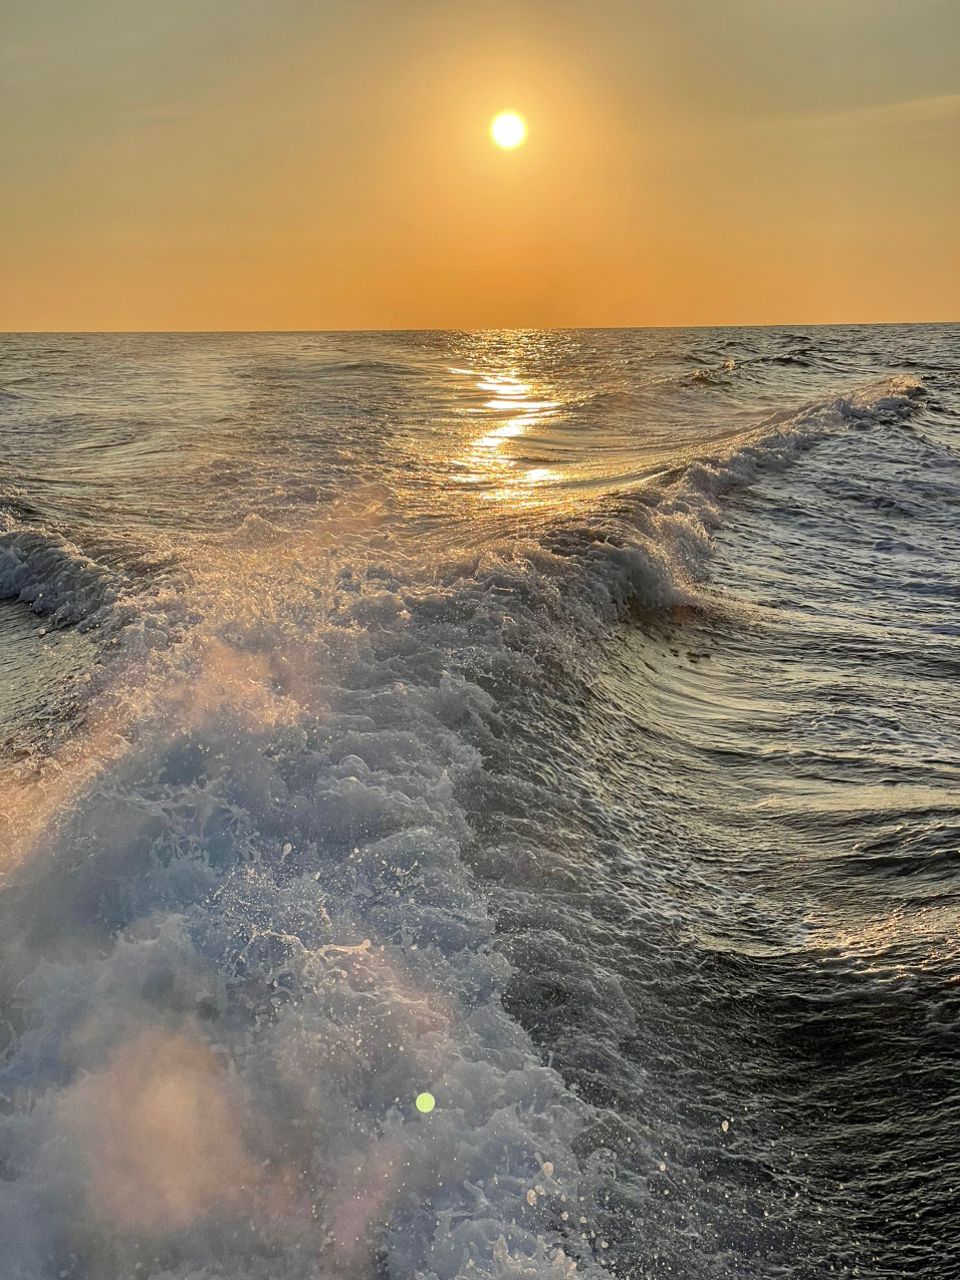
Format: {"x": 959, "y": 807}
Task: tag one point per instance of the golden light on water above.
{"x": 508, "y": 129}
{"x": 498, "y": 471}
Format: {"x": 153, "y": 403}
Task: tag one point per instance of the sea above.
{"x": 480, "y": 805}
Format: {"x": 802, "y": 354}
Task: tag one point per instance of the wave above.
{"x": 131, "y": 601}
{"x": 306, "y": 371}
{"x": 55, "y": 577}
{"x": 722, "y": 374}
{"x": 653, "y": 545}
{"x": 271, "y": 943}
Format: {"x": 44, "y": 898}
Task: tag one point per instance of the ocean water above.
{"x": 562, "y": 724}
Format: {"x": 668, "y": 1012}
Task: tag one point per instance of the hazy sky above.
{"x": 304, "y": 164}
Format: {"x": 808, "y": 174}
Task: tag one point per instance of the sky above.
{"x": 325, "y": 164}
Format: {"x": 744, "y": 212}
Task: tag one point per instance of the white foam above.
{"x": 53, "y": 576}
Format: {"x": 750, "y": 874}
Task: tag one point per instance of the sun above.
{"x": 508, "y": 129}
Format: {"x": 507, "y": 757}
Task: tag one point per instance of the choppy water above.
{"x": 561, "y": 723}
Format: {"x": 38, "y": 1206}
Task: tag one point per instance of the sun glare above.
{"x": 508, "y": 129}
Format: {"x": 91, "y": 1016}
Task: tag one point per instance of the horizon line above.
{"x": 556, "y": 328}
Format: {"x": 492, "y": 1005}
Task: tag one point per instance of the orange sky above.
{"x": 314, "y": 164}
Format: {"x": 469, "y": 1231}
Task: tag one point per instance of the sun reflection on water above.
{"x": 491, "y": 462}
